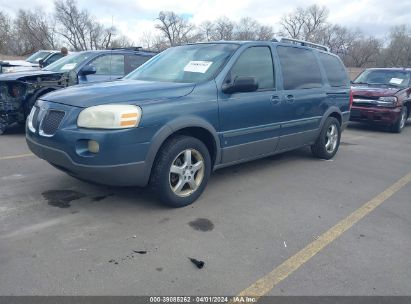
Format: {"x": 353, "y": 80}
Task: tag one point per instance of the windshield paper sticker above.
{"x": 68, "y": 66}
{"x": 396, "y": 80}
{"x": 197, "y": 66}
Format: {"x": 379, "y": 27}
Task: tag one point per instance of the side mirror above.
{"x": 41, "y": 63}
{"x": 88, "y": 70}
{"x": 241, "y": 84}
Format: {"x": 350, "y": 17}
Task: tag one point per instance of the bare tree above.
{"x": 5, "y": 32}
{"x": 207, "y": 30}
{"x": 315, "y": 20}
{"x": 35, "y": 31}
{"x": 120, "y": 42}
{"x": 175, "y": 28}
{"x": 154, "y": 42}
{"x": 398, "y": 52}
{"x": 304, "y": 23}
{"x": 364, "y": 52}
{"x": 79, "y": 28}
{"x": 265, "y": 32}
{"x": 250, "y": 29}
{"x": 292, "y": 25}
{"x": 223, "y": 29}
{"x": 338, "y": 38}
{"x": 247, "y": 29}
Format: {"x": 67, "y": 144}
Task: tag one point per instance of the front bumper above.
{"x": 387, "y": 116}
{"x": 132, "y": 174}
{"x": 121, "y": 160}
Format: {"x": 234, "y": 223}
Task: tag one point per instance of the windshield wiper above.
{"x": 360, "y": 82}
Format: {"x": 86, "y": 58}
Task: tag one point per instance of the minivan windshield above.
{"x": 186, "y": 64}
{"x": 393, "y": 78}
{"x": 68, "y": 62}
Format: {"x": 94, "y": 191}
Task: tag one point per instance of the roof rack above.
{"x": 131, "y": 48}
{"x": 303, "y": 43}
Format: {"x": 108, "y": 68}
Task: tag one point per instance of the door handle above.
{"x": 275, "y": 99}
{"x": 289, "y": 99}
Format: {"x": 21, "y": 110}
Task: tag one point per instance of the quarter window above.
{"x": 300, "y": 68}
{"x": 255, "y": 62}
{"x": 334, "y": 69}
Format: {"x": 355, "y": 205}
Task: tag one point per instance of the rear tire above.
{"x": 328, "y": 141}
{"x": 181, "y": 171}
{"x": 400, "y": 124}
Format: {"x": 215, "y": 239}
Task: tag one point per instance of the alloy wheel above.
{"x": 403, "y": 118}
{"x": 186, "y": 172}
{"x": 331, "y": 138}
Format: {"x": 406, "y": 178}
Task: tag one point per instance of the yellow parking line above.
{"x": 262, "y": 286}
{"x": 16, "y": 156}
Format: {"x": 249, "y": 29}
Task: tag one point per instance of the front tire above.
{"x": 181, "y": 171}
{"x": 328, "y": 141}
{"x": 400, "y": 124}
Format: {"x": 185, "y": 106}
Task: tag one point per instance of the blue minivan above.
{"x": 193, "y": 109}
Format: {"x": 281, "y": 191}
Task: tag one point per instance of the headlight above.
{"x": 112, "y": 116}
{"x": 389, "y": 101}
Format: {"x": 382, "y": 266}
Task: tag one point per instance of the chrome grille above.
{"x": 35, "y": 115}
{"x": 365, "y": 101}
{"x": 32, "y": 120}
{"x": 51, "y": 122}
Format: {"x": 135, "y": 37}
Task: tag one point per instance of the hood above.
{"x": 374, "y": 91}
{"x": 10, "y": 63}
{"x": 26, "y": 75}
{"x": 118, "y": 91}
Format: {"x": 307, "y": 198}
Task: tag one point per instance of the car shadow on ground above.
{"x": 66, "y": 191}
{"x": 270, "y": 162}
{"x": 16, "y": 129}
{"x": 360, "y": 126}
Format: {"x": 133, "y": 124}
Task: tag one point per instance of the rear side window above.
{"x": 335, "y": 70}
{"x": 256, "y": 62}
{"x": 300, "y": 68}
{"x": 133, "y": 62}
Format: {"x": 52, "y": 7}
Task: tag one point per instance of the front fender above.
{"x": 173, "y": 127}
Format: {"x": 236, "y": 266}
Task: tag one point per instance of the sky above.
{"x": 135, "y": 17}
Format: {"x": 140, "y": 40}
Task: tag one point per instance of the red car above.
{"x": 382, "y": 96}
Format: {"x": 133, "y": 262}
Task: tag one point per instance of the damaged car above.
{"x": 20, "y": 90}
{"x": 32, "y": 63}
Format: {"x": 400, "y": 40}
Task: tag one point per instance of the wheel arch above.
{"x": 191, "y": 126}
{"x": 332, "y": 112}
{"x": 39, "y": 93}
